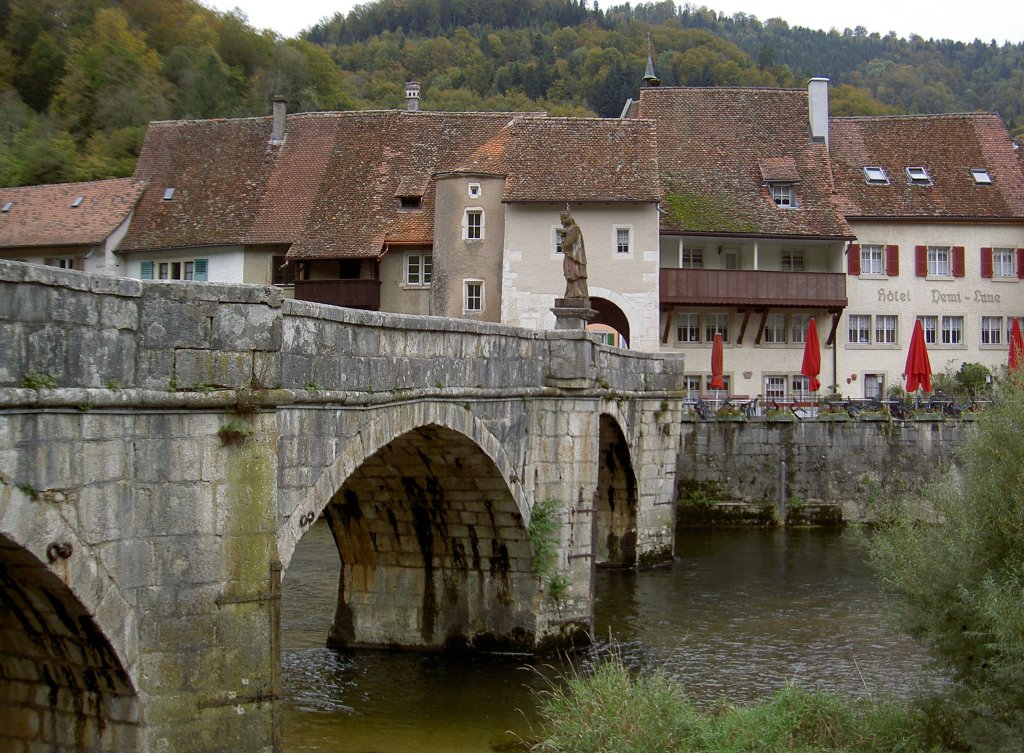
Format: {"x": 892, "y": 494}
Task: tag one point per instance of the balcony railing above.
{"x": 356, "y": 294}
{"x": 743, "y": 287}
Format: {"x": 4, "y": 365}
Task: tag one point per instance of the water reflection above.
{"x": 739, "y": 613}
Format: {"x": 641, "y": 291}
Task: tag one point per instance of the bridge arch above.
{"x": 62, "y": 684}
{"x": 617, "y": 497}
{"x": 431, "y": 536}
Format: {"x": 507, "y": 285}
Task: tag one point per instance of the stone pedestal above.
{"x": 572, "y": 313}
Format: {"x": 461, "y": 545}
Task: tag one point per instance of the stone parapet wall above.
{"x": 847, "y": 464}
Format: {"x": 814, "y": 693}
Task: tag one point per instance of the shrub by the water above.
{"x": 612, "y": 711}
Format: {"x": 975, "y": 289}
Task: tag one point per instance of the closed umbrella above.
{"x": 1016, "y": 347}
{"x": 811, "y": 365}
{"x": 918, "y": 370}
{"x": 717, "y": 363}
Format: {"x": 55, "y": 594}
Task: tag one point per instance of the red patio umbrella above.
{"x": 811, "y": 365}
{"x": 918, "y": 370}
{"x": 717, "y": 363}
{"x": 1016, "y": 347}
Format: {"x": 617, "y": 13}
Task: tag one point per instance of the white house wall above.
{"x": 532, "y": 271}
{"x": 226, "y": 263}
{"x": 909, "y": 296}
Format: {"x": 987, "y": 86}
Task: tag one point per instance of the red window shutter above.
{"x": 1020, "y": 263}
{"x": 959, "y": 268}
{"x": 892, "y": 261}
{"x": 853, "y": 259}
{"x": 986, "y": 262}
{"x": 921, "y": 261}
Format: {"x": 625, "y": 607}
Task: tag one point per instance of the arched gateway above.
{"x": 150, "y": 503}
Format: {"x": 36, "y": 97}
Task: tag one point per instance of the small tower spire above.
{"x": 650, "y": 78}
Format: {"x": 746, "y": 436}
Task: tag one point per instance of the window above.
{"x": 874, "y": 385}
{"x": 938, "y": 262}
{"x": 918, "y": 176}
{"x": 168, "y": 194}
{"x": 622, "y": 241}
{"x": 876, "y": 175}
{"x": 885, "y": 329}
{"x": 409, "y": 203}
{"x": 716, "y": 324}
{"x": 688, "y": 328}
{"x": 195, "y": 269}
{"x": 473, "y": 225}
{"x": 859, "y": 329}
{"x": 775, "y": 388}
{"x": 801, "y": 387}
{"x": 782, "y": 194}
{"x": 1003, "y": 262}
{"x": 991, "y": 330}
{"x": 952, "y": 330}
{"x": 473, "y": 301}
{"x": 930, "y": 326}
{"x": 64, "y": 262}
{"x": 419, "y": 269}
{"x": 282, "y": 271}
{"x": 691, "y": 383}
{"x": 559, "y": 239}
{"x": 474, "y": 190}
{"x": 792, "y": 261}
{"x": 693, "y": 258}
{"x": 1009, "y": 326}
{"x": 725, "y": 380}
{"x": 7, "y": 207}
{"x": 982, "y": 177}
{"x": 77, "y": 202}
{"x": 775, "y": 328}
{"x": 798, "y": 331}
{"x": 871, "y": 260}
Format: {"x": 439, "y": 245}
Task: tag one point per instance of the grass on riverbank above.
{"x": 611, "y": 711}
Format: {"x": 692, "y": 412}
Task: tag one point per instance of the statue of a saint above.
{"x": 574, "y": 258}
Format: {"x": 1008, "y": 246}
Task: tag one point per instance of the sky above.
{"x": 1001, "y": 20}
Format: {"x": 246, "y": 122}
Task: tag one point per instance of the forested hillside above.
{"x": 80, "y": 79}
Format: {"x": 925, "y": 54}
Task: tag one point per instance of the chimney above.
{"x": 817, "y": 106}
{"x": 280, "y": 110}
{"x": 412, "y": 96}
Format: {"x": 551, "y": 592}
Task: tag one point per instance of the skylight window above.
{"x": 982, "y": 177}
{"x": 876, "y": 175}
{"x": 7, "y": 207}
{"x": 919, "y": 176}
{"x": 168, "y": 194}
{"x": 77, "y": 202}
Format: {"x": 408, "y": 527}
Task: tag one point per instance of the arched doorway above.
{"x": 433, "y": 550}
{"x": 616, "y": 499}
{"x": 61, "y": 683}
{"x": 611, "y": 317}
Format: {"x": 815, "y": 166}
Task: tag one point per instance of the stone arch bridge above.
{"x": 165, "y": 446}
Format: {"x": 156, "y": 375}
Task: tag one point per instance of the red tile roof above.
{"x": 330, "y": 190}
{"x": 42, "y": 216}
{"x": 712, "y": 143}
{"x": 572, "y": 160}
{"x": 947, "y": 146}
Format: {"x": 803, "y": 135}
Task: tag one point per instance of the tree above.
{"x": 954, "y": 556}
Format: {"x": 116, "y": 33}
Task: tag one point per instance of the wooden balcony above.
{"x": 354, "y": 294}
{"x": 744, "y": 288}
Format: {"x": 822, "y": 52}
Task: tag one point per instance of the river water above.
{"x": 738, "y": 614}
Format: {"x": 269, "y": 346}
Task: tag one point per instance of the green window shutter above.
{"x": 146, "y": 270}
{"x": 199, "y": 271}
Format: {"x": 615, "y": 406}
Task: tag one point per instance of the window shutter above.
{"x": 853, "y": 259}
{"x": 199, "y": 270}
{"x": 921, "y": 261}
{"x": 892, "y": 261}
{"x": 146, "y": 270}
{"x": 959, "y": 268}
{"x": 1020, "y": 263}
{"x": 986, "y": 262}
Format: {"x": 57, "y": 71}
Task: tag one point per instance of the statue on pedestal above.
{"x": 574, "y": 258}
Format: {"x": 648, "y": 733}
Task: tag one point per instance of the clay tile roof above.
{"x": 329, "y": 191}
{"x": 44, "y": 215}
{"x": 779, "y": 170}
{"x": 947, "y": 146}
{"x": 572, "y": 160}
{"x": 712, "y": 146}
